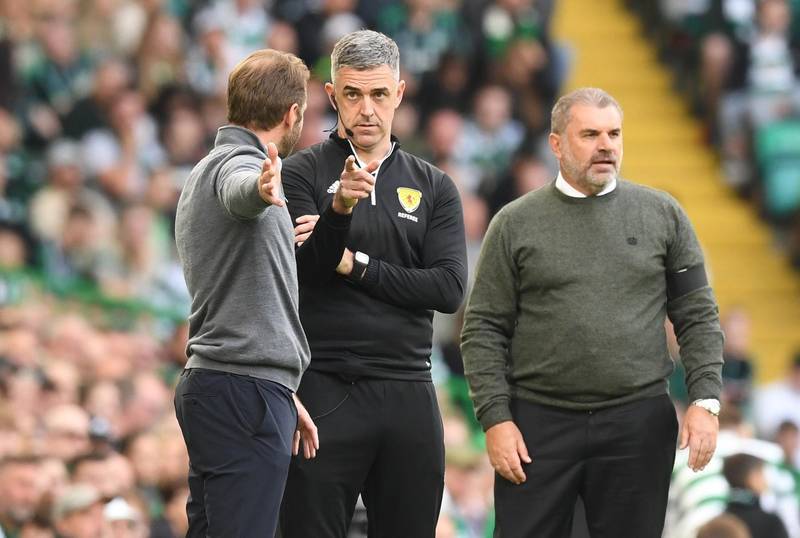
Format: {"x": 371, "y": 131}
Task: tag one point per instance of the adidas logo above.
{"x": 334, "y": 187}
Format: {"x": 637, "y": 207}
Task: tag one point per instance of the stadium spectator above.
{"x": 724, "y": 526}
{"x": 737, "y": 371}
{"x": 20, "y": 492}
{"x": 788, "y": 438}
{"x": 78, "y": 512}
{"x": 745, "y": 475}
{"x": 778, "y": 401}
{"x": 489, "y": 138}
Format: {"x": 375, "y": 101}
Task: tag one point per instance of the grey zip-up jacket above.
{"x": 237, "y": 254}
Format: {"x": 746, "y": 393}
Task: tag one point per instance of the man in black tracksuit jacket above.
{"x": 369, "y": 282}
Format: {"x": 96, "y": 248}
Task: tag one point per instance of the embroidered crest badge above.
{"x": 409, "y": 198}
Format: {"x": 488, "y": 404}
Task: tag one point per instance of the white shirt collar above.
{"x": 572, "y": 192}
{"x": 363, "y": 164}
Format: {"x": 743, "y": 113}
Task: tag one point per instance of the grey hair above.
{"x": 365, "y": 49}
{"x": 584, "y": 96}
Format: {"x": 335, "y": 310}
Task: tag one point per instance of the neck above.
{"x": 374, "y": 153}
{"x": 586, "y": 188}
{"x": 266, "y": 136}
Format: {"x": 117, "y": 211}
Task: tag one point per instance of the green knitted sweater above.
{"x": 570, "y": 298}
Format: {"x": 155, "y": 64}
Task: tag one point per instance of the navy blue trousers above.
{"x": 238, "y": 431}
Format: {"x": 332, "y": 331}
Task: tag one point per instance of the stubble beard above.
{"x": 289, "y": 140}
{"x": 586, "y": 179}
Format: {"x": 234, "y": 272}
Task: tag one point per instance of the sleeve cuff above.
{"x": 495, "y": 414}
{"x": 335, "y": 220}
{"x": 372, "y": 274}
{"x": 704, "y": 389}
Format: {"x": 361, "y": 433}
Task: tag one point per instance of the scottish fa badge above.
{"x": 409, "y": 198}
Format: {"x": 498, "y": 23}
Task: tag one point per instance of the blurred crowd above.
{"x": 758, "y": 435}
{"x": 105, "y": 105}
{"x": 739, "y": 61}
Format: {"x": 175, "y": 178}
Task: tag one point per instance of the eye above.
{"x": 351, "y": 95}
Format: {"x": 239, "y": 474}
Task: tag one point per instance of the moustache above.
{"x": 604, "y": 158}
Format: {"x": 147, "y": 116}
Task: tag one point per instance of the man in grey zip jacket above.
{"x": 247, "y": 350}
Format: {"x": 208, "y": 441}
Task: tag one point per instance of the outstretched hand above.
{"x": 269, "y": 183}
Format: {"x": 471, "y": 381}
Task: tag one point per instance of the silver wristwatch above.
{"x": 360, "y": 263}
{"x": 709, "y": 404}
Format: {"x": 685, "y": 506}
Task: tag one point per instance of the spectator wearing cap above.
{"x": 124, "y": 520}
{"x": 745, "y": 475}
{"x": 78, "y": 512}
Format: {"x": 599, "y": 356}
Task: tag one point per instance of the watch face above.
{"x": 711, "y": 406}
{"x": 362, "y": 258}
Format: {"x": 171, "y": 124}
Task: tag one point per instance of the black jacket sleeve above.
{"x": 318, "y": 256}
{"x": 441, "y": 283}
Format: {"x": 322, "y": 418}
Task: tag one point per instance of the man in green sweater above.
{"x": 564, "y": 343}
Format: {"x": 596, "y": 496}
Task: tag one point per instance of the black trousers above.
{"x": 381, "y": 438}
{"x": 618, "y": 460}
{"x": 238, "y": 431}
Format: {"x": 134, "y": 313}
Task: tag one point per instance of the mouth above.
{"x": 604, "y": 162}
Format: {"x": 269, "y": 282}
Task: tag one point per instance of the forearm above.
{"x": 319, "y": 255}
{"x": 239, "y": 195}
{"x": 440, "y": 280}
{"x": 484, "y": 349}
{"x": 695, "y": 317}
{"x": 437, "y": 288}
{"x": 489, "y": 323}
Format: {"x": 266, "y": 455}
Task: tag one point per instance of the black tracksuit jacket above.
{"x": 380, "y": 326}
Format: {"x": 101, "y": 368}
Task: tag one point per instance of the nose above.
{"x": 367, "y": 109}
{"x": 604, "y": 142}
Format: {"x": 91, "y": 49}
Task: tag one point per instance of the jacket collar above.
{"x": 343, "y": 144}
{"x": 238, "y": 135}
